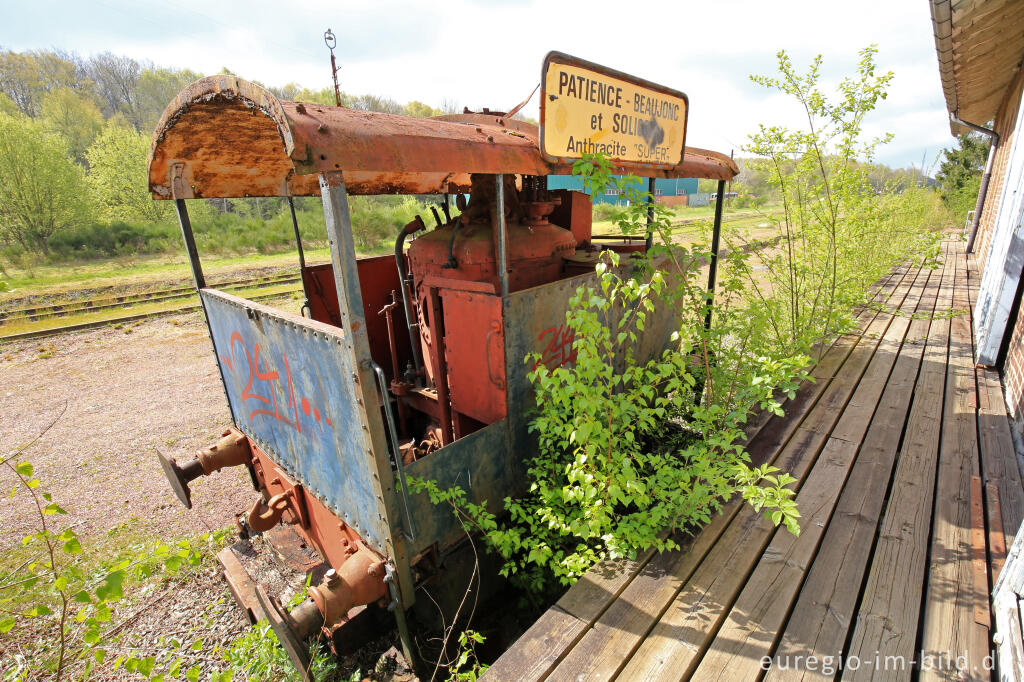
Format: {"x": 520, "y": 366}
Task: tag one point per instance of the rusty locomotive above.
{"x": 411, "y": 363}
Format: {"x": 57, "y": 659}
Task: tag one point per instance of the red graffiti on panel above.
{"x": 252, "y": 361}
{"x": 558, "y": 350}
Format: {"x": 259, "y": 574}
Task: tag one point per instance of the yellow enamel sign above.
{"x": 586, "y": 108}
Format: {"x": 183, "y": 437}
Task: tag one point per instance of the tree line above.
{"x": 74, "y": 139}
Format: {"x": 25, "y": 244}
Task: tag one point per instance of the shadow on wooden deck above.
{"x": 909, "y": 491}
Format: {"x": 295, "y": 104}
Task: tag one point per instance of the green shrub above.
{"x": 631, "y": 449}
{"x": 605, "y": 212}
{"x": 962, "y": 200}
{"x": 232, "y": 226}
{"x": 377, "y": 220}
{"x": 838, "y": 233}
{"x": 94, "y": 240}
{"x": 65, "y": 594}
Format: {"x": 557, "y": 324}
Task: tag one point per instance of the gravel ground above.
{"x": 115, "y": 396}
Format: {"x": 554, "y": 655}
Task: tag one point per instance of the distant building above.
{"x": 668, "y": 191}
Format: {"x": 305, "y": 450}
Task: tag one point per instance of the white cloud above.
{"x": 486, "y": 53}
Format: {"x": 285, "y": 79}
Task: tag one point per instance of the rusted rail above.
{"x": 107, "y": 302}
{"x": 54, "y": 331}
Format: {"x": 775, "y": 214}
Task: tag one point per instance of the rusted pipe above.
{"x": 360, "y": 580}
{"x": 393, "y": 347}
{"x": 983, "y": 190}
{"x": 403, "y": 279}
{"x": 434, "y": 319}
{"x": 500, "y": 236}
{"x": 231, "y": 450}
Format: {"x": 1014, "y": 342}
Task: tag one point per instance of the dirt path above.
{"x": 124, "y": 393}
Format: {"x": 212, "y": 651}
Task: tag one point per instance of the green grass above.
{"x": 22, "y": 325}
{"x": 132, "y": 274}
{"x": 682, "y": 213}
{"x": 141, "y": 271}
{"x": 691, "y": 233}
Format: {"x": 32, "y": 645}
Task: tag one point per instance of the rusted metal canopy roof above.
{"x": 980, "y": 44}
{"x": 226, "y": 137}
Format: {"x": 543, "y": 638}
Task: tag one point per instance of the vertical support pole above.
{"x": 994, "y": 139}
{"x": 403, "y": 626}
{"x": 651, "y": 185}
{"x": 302, "y": 256}
{"x": 436, "y": 322}
{"x": 200, "y": 281}
{"x": 716, "y": 237}
{"x": 357, "y": 346}
{"x": 190, "y": 244}
{"x": 298, "y": 237}
{"x": 979, "y": 206}
{"x": 343, "y": 258}
{"x": 501, "y": 234}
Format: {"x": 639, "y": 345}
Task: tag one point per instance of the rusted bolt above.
{"x": 300, "y": 107}
{"x": 490, "y": 138}
{"x": 331, "y": 577}
{"x": 321, "y": 129}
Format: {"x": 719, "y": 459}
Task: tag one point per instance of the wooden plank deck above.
{"x": 910, "y": 494}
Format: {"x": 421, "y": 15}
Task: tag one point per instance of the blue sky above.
{"x": 489, "y": 52}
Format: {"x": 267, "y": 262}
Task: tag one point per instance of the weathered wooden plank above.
{"x": 979, "y": 569}
{"x": 598, "y": 653}
{"x": 998, "y": 458}
{"x": 1004, "y": 491}
{"x": 950, "y": 628}
{"x": 688, "y": 624}
{"x": 825, "y": 608}
{"x": 540, "y": 648}
{"x": 545, "y": 644}
{"x": 996, "y": 538}
{"x": 767, "y": 434}
{"x": 887, "y": 617}
{"x": 752, "y": 626}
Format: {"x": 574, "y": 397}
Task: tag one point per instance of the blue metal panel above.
{"x": 292, "y": 390}
{"x": 482, "y": 464}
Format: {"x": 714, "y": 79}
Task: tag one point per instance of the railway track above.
{"x": 41, "y": 312}
{"x": 164, "y": 295}
{"x": 99, "y": 304}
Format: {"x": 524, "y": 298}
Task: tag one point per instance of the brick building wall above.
{"x": 1005, "y": 121}
{"x": 1013, "y": 365}
{"x": 1013, "y": 377}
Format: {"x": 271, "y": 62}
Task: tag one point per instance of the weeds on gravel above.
{"x": 257, "y": 655}
{"x": 59, "y": 602}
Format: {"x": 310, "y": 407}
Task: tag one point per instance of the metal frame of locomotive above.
{"x": 407, "y": 364}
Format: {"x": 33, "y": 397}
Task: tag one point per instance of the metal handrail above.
{"x": 394, "y": 451}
